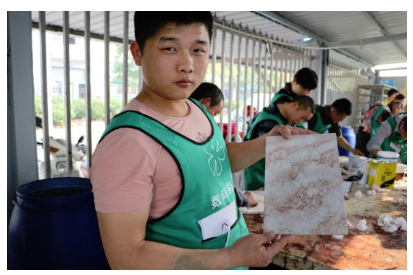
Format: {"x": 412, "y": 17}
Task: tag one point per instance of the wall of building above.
{"x": 399, "y": 82}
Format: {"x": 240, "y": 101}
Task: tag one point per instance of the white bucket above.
{"x": 358, "y": 166}
{"x": 388, "y": 155}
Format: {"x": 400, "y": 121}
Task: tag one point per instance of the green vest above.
{"x": 375, "y": 125}
{"x": 255, "y": 174}
{"x": 395, "y": 139}
{"x": 320, "y": 127}
{"x": 279, "y": 95}
{"x": 207, "y": 185}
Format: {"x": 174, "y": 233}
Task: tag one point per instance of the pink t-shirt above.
{"x": 131, "y": 170}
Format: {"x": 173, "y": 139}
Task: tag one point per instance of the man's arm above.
{"x": 244, "y": 154}
{"x": 374, "y": 145}
{"x": 123, "y": 237}
{"x": 342, "y": 142}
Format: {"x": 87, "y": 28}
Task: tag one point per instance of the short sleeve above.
{"x": 121, "y": 173}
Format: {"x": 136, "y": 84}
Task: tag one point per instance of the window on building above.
{"x": 57, "y": 88}
{"x": 82, "y": 90}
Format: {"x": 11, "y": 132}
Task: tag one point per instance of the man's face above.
{"x": 337, "y": 118}
{"x": 397, "y": 107}
{"x": 214, "y": 110}
{"x": 298, "y": 89}
{"x": 297, "y": 115}
{"x": 174, "y": 60}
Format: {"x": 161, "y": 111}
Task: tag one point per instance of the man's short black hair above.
{"x": 147, "y": 23}
{"x": 305, "y": 102}
{"x": 342, "y": 106}
{"x": 208, "y": 90}
{"x": 399, "y": 97}
{"x": 391, "y": 92}
{"x": 306, "y": 78}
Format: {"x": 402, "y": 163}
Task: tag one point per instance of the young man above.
{"x": 303, "y": 82}
{"x": 161, "y": 173}
{"x": 328, "y": 117}
{"x": 211, "y": 97}
{"x": 391, "y": 136}
{"x": 301, "y": 109}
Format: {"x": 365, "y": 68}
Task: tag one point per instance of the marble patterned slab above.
{"x": 303, "y": 186}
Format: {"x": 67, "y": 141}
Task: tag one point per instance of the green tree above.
{"x": 58, "y": 110}
{"x": 117, "y": 71}
{"x": 38, "y": 110}
{"x": 78, "y": 108}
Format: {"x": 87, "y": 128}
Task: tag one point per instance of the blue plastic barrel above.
{"x": 54, "y": 226}
{"x": 350, "y": 136}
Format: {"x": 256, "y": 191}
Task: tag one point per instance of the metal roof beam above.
{"x": 278, "y": 18}
{"x": 370, "y": 15}
{"x": 370, "y": 40}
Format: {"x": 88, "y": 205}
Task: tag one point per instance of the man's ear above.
{"x": 294, "y": 105}
{"x": 206, "y": 101}
{"x": 136, "y": 53}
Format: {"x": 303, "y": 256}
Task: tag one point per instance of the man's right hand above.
{"x": 257, "y": 250}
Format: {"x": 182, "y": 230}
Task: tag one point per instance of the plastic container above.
{"x": 388, "y": 155}
{"x": 350, "y": 136}
{"x": 54, "y": 226}
{"x": 359, "y": 167}
{"x": 401, "y": 168}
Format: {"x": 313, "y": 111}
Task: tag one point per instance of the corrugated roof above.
{"x": 332, "y": 26}
{"x": 338, "y": 26}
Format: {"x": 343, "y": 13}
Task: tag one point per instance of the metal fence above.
{"x": 249, "y": 67}
{"x": 343, "y": 82}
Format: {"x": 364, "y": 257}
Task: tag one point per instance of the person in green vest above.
{"x": 391, "y": 136}
{"x": 327, "y": 118}
{"x": 373, "y": 119}
{"x": 161, "y": 173}
{"x": 303, "y": 82}
{"x": 211, "y": 97}
{"x": 299, "y": 110}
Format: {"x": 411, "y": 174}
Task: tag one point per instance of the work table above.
{"x": 373, "y": 249}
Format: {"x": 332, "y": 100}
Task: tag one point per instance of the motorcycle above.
{"x": 58, "y": 162}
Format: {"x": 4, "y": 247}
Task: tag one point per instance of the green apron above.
{"x": 207, "y": 185}
{"x": 320, "y": 127}
{"x": 375, "y": 125}
{"x": 396, "y": 140}
{"x": 255, "y": 174}
{"x": 279, "y": 95}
